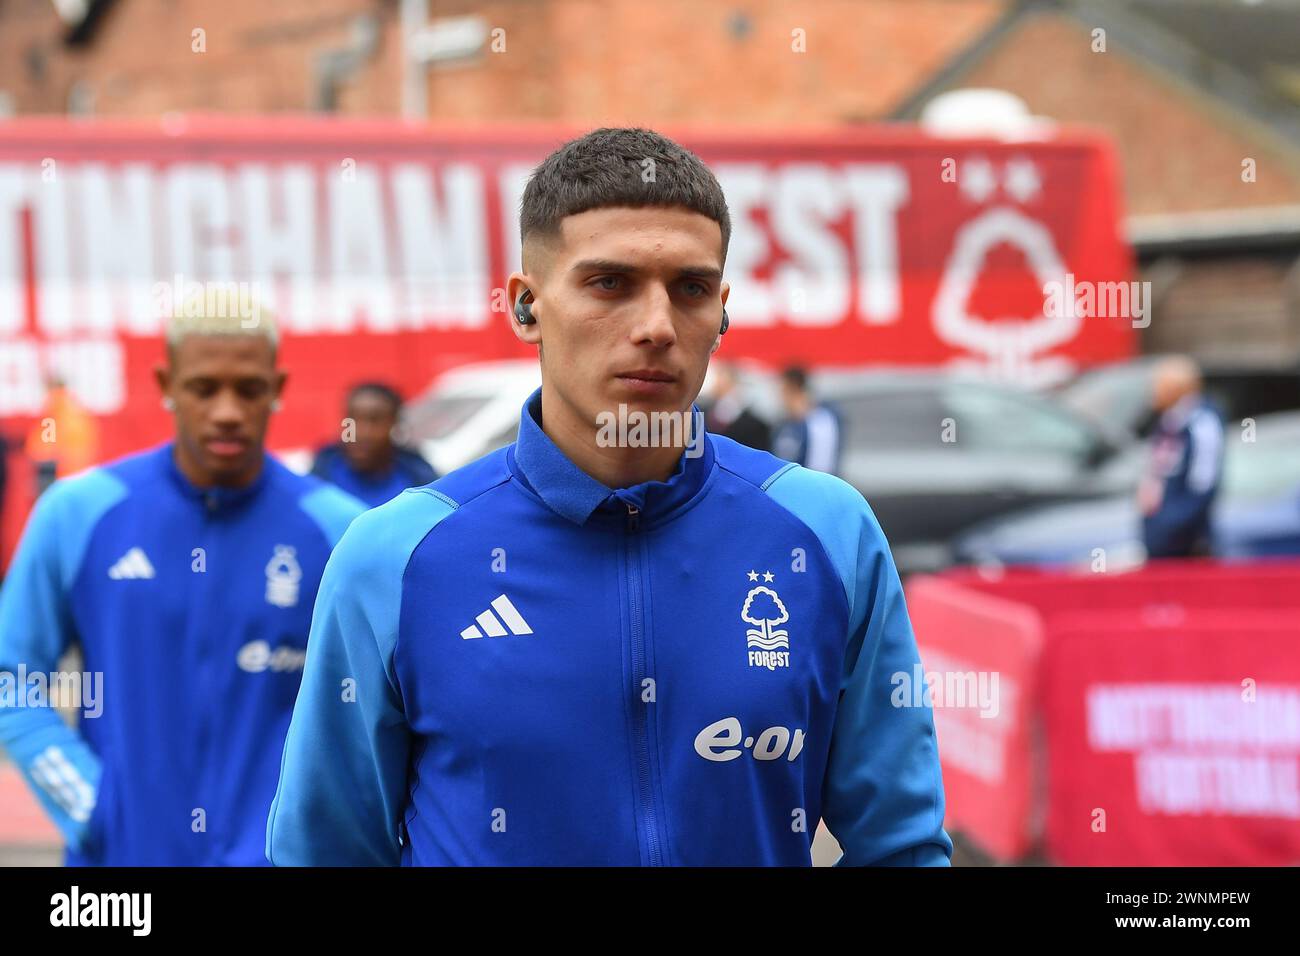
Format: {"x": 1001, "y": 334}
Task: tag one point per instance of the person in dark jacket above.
{"x": 367, "y": 463}
{"x": 1186, "y": 464}
{"x": 729, "y": 414}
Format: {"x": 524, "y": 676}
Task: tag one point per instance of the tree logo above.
{"x": 1014, "y": 347}
{"x": 767, "y": 641}
{"x": 282, "y": 576}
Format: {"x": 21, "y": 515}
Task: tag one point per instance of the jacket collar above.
{"x": 572, "y": 493}
{"x": 215, "y": 498}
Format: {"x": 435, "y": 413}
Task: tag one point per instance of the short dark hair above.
{"x": 796, "y": 376}
{"x": 381, "y": 389}
{"x": 607, "y": 167}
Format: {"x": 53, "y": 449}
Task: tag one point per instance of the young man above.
{"x": 187, "y": 575}
{"x": 368, "y": 464}
{"x": 587, "y": 650}
{"x": 811, "y": 433}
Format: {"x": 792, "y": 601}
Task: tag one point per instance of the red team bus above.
{"x": 382, "y": 247}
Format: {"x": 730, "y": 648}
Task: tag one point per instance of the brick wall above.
{"x": 1180, "y": 150}
{"x": 573, "y": 60}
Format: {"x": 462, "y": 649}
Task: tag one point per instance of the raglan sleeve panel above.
{"x": 36, "y": 629}
{"x": 883, "y": 791}
{"x": 332, "y": 509}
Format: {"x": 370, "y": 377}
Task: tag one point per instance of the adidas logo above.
{"x": 492, "y": 627}
{"x": 133, "y": 564}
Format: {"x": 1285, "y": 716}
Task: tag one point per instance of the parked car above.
{"x": 470, "y": 411}
{"x": 935, "y": 454}
{"x": 1257, "y": 513}
{"x": 474, "y": 409}
{"x": 1117, "y": 396}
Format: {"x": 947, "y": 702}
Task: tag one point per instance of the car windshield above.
{"x": 985, "y": 419}
{"x": 890, "y": 419}
{"x": 440, "y": 415}
{"x": 995, "y": 421}
{"x": 1116, "y": 397}
{"x": 1268, "y": 467}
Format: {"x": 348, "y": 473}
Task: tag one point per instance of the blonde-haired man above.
{"x": 187, "y": 574}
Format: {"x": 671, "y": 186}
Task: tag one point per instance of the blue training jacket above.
{"x": 194, "y": 605}
{"x": 408, "y": 470}
{"x": 517, "y": 665}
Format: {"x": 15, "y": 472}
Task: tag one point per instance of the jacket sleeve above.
{"x": 343, "y": 773}
{"x": 36, "y": 629}
{"x": 882, "y": 796}
{"x": 883, "y": 792}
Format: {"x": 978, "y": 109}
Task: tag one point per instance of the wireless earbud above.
{"x": 725, "y": 322}
{"x": 524, "y": 309}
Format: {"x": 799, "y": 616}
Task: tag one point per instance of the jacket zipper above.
{"x": 640, "y": 715}
{"x": 206, "y": 664}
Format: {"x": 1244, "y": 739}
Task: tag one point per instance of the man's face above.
{"x": 223, "y": 387}
{"x": 629, "y": 302}
{"x": 375, "y": 418}
{"x": 791, "y": 397}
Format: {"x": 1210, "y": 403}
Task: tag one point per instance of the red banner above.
{"x": 1169, "y": 702}
{"x": 968, "y": 640}
{"x": 382, "y": 249}
{"x": 1175, "y": 745}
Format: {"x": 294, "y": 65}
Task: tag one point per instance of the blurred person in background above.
{"x": 64, "y": 438}
{"x": 367, "y": 463}
{"x": 1185, "y": 465}
{"x": 729, "y": 413}
{"x": 810, "y": 435}
{"x": 187, "y": 575}
{"x": 6, "y": 446}
{"x": 549, "y": 646}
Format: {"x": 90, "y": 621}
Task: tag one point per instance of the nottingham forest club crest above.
{"x": 768, "y": 642}
{"x": 282, "y": 576}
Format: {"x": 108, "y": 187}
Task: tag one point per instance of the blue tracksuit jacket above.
{"x": 194, "y": 606}
{"x": 518, "y": 665}
{"x": 409, "y": 469}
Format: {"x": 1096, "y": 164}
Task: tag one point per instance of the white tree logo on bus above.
{"x": 1011, "y": 346}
